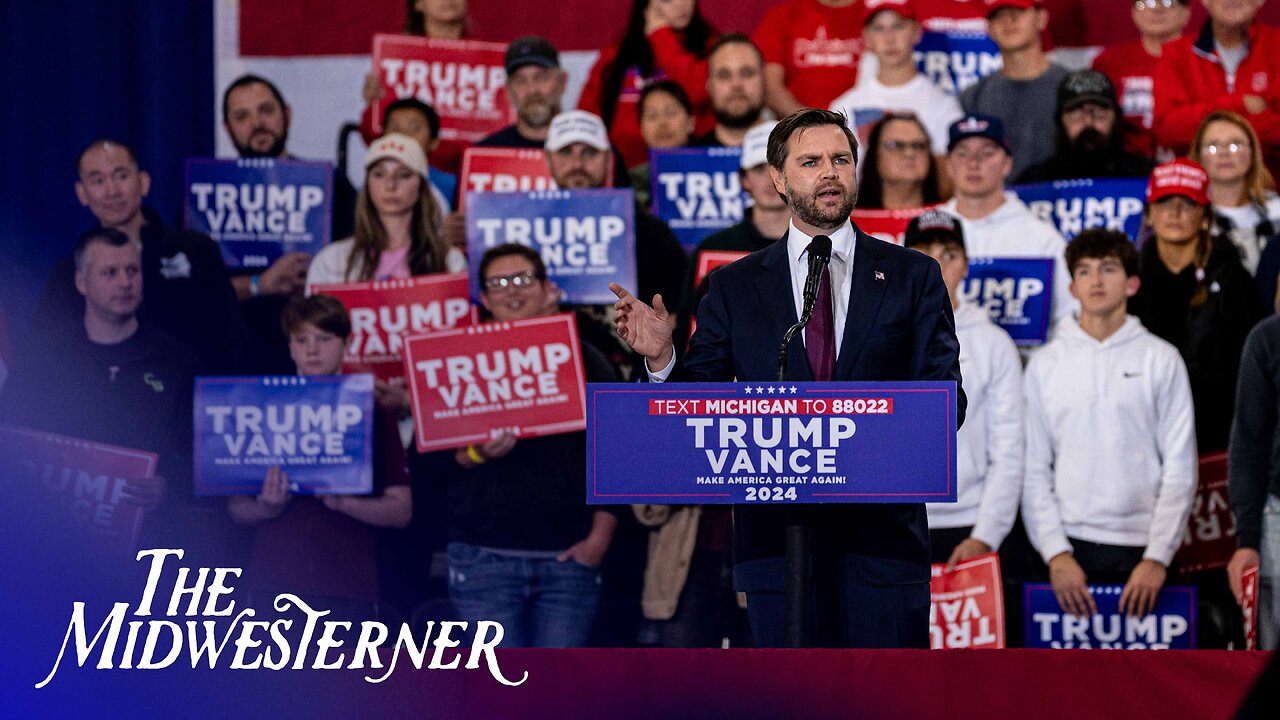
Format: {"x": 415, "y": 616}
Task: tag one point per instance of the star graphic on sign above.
{"x": 748, "y": 389}
{"x": 770, "y": 389}
{"x": 793, "y": 389}
{"x": 759, "y": 390}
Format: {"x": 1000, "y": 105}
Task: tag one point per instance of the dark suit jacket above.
{"x": 898, "y": 328}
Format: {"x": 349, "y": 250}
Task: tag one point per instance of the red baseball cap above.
{"x": 905, "y": 8}
{"x": 994, "y": 5}
{"x": 1182, "y": 177}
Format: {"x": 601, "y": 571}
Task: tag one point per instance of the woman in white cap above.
{"x": 398, "y": 221}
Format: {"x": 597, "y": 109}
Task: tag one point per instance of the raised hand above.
{"x": 646, "y": 329}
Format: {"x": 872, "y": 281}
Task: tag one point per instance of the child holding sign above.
{"x": 322, "y": 548}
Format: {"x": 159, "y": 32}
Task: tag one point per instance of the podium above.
{"x": 772, "y": 444}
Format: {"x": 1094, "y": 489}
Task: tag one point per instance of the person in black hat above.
{"x": 1090, "y": 134}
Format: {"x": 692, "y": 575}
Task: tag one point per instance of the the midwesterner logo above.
{"x": 204, "y": 596}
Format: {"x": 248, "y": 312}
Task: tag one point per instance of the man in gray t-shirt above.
{"x": 1023, "y": 94}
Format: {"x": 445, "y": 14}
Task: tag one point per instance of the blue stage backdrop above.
{"x": 137, "y": 70}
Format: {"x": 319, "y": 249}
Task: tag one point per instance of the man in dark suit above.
{"x": 882, "y": 313}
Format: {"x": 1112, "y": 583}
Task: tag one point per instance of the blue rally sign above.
{"x": 1016, "y": 292}
{"x": 587, "y": 238}
{"x": 319, "y": 429}
{"x": 955, "y": 59}
{"x": 722, "y": 443}
{"x": 258, "y": 209}
{"x": 1075, "y": 205}
{"x": 696, "y": 191}
{"x": 1171, "y": 626}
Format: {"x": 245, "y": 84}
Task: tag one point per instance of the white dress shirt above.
{"x": 841, "y": 268}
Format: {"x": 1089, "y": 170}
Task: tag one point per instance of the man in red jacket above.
{"x": 1234, "y": 64}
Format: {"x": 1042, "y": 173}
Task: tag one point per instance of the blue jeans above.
{"x": 540, "y": 602}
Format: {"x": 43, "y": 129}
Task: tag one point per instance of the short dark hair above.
{"x": 501, "y": 251}
{"x": 803, "y": 120}
{"x": 245, "y": 80}
{"x": 733, "y": 39}
{"x": 670, "y": 87}
{"x": 413, "y": 103}
{"x": 324, "y": 311}
{"x": 106, "y": 235}
{"x": 1099, "y": 243}
{"x": 133, "y": 156}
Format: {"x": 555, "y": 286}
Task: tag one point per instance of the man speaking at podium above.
{"x": 879, "y": 313}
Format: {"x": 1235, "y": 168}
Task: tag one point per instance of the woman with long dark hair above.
{"x": 663, "y": 39}
{"x": 898, "y": 169}
{"x": 1195, "y": 294}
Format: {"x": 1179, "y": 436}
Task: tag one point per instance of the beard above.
{"x": 1090, "y": 141}
{"x": 537, "y": 112}
{"x": 806, "y": 207}
{"x": 739, "y": 120}
{"x": 276, "y": 149}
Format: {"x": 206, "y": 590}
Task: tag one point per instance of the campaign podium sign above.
{"x": 1249, "y": 607}
{"x": 258, "y": 209}
{"x": 709, "y": 260}
{"x": 954, "y": 59}
{"x": 967, "y": 604}
{"x": 464, "y": 80}
{"x": 696, "y": 191}
{"x": 1016, "y": 292}
{"x": 1075, "y": 205}
{"x": 318, "y": 429}
{"x": 468, "y": 384}
{"x": 383, "y": 312}
{"x": 887, "y": 225}
{"x": 500, "y": 169}
{"x": 1171, "y": 626}
{"x": 586, "y": 237}
{"x": 1210, "y": 537}
{"x": 771, "y": 442}
{"x": 80, "y": 483}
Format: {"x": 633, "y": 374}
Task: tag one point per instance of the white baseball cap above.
{"x": 400, "y": 148}
{"x": 577, "y": 126}
{"x": 755, "y": 146}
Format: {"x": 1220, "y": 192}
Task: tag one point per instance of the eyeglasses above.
{"x": 1226, "y": 148}
{"x": 1153, "y": 4}
{"x": 903, "y": 147}
{"x": 511, "y": 282}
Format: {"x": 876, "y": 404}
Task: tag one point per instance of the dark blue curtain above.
{"x": 140, "y": 71}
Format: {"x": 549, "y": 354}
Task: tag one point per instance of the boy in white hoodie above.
{"x": 996, "y": 223}
{"x": 989, "y": 445}
{"x": 1111, "y": 454}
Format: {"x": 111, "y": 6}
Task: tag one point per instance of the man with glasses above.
{"x": 1090, "y": 144}
{"x": 1023, "y": 94}
{"x": 890, "y": 31}
{"x": 1131, "y": 67}
{"x": 524, "y": 547}
{"x": 1233, "y": 64}
{"x": 997, "y": 224}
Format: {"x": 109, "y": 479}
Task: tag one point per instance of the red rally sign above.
{"x": 468, "y": 384}
{"x": 1249, "y": 607}
{"x": 968, "y": 605}
{"x": 84, "y": 480}
{"x": 497, "y": 169}
{"x": 384, "y": 312}
{"x": 1210, "y": 537}
{"x": 463, "y": 80}
{"x": 887, "y": 225}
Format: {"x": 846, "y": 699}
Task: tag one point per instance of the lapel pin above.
{"x": 879, "y": 275}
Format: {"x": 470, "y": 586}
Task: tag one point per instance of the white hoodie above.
{"x": 1011, "y": 231}
{"x": 1111, "y": 450}
{"x": 989, "y": 444}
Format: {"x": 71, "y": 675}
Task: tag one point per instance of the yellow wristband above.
{"x": 475, "y": 455}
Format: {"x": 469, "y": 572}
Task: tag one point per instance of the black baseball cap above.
{"x": 531, "y": 50}
{"x": 1085, "y": 86}
{"x": 934, "y": 226}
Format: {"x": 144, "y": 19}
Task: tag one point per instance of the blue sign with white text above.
{"x": 1075, "y": 205}
{"x": 954, "y": 60}
{"x": 1171, "y": 626}
{"x": 1016, "y": 292}
{"x": 696, "y": 191}
{"x": 778, "y": 442}
{"x": 258, "y": 209}
{"x": 318, "y": 429}
{"x": 586, "y": 237}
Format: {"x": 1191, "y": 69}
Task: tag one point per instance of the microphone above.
{"x": 819, "y": 259}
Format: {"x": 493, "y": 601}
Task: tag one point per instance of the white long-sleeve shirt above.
{"x": 989, "y": 446}
{"x": 1111, "y": 450}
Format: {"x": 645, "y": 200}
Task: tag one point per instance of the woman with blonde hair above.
{"x": 398, "y": 222}
{"x": 1240, "y": 186}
